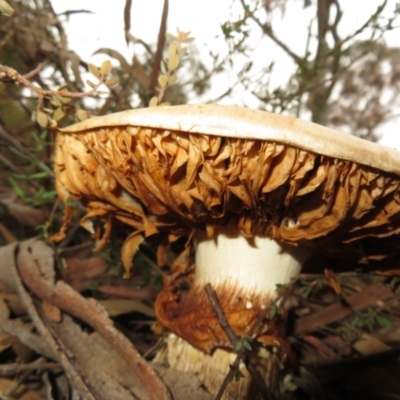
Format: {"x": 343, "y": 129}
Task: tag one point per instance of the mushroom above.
{"x": 254, "y": 192}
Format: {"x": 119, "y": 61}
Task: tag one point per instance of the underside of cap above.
{"x": 240, "y": 122}
{"x": 174, "y": 181}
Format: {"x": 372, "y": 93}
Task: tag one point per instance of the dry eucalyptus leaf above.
{"x": 129, "y": 248}
{"x": 368, "y": 345}
{"x": 22, "y": 392}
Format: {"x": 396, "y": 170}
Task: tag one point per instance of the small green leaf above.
{"x": 163, "y": 67}
{"x": 39, "y": 175}
{"x": 42, "y": 119}
{"x": 239, "y": 376}
{"x": 106, "y": 67}
{"x": 173, "y": 62}
{"x": 55, "y": 101}
{"x": 17, "y": 189}
{"x": 182, "y": 52}
{"x": 153, "y": 102}
{"x": 58, "y": 113}
{"x": 237, "y": 346}
{"x": 94, "y": 70}
{"x": 112, "y": 81}
{"x": 172, "y": 79}
{"x": 163, "y": 80}
{"x": 247, "y": 345}
{"x": 18, "y": 153}
{"x": 171, "y": 38}
{"x": 65, "y": 100}
{"x": 91, "y": 84}
{"x": 173, "y": 49}
{"x": 383, "y": 322}
{"x": 81, "y": 114}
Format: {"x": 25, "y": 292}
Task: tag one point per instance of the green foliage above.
{"x": 305, "y": 288}
{"x": 242, "y": 342}
{"x": 37, "y": 173}
{"x": 368, "y": 319}
{"x": 176, "y": 51}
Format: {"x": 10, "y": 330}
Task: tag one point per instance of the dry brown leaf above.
{"x": 368, "y": 344}
{"x": 26, "y": 215}
{"x": 22, "y": 393}
{"x": 332, "y": 282}
{"x": 129, "y": 248}
{"x": 117, "y": 307}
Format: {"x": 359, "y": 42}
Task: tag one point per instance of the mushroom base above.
{"x": 212, "y": 369}
{"x": 243, "y": 273}
{"x": 187, "y": 311}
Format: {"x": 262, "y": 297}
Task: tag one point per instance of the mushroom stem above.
{"x": 253, "y": 265}
{"x": 244, "y": 273}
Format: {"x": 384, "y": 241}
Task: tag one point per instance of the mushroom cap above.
{"x": 173, "y": 169}
{"x": 245, "y": 123}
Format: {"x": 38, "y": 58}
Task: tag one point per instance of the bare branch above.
{"x": 13, "y": 75}
{"x": 267, "y": 29}
{"x": 127, "y": 18}
{"x": 366, "y": 23}
{"x": 160, "y": 48}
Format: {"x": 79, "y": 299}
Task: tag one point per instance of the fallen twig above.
{"x": 35, "y": 262}
{"x": 262, "y": 387}
{"x": 15, "y": 368}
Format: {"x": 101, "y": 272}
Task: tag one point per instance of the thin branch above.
{"x": 15, "y": 368}
{"x": 160, "y": 48}
{"x": 34, "y": 72}
{"x": 267, "y": 29}
{"x": 127, "y": 19}
{"x": 220, "y": 314}
{"x": 15, "y": 76}
{"x": 366, "y": 23}
{"x": 262, "y": 387}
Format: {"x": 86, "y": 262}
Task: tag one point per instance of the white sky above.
{"x": 105, "y": 28}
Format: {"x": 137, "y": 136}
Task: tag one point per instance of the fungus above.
{"x": 254, "y": 192}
